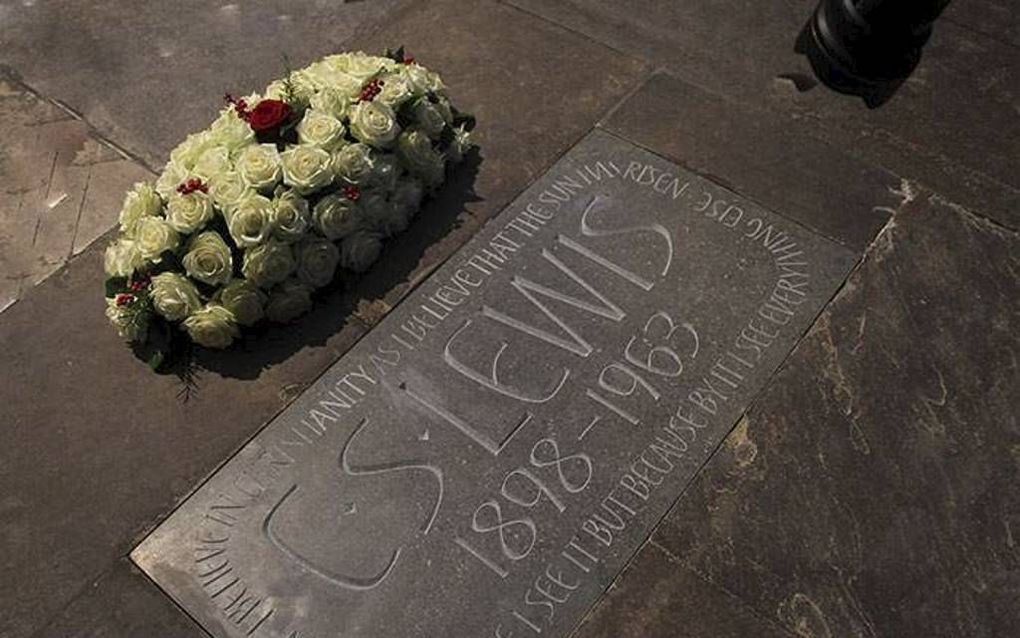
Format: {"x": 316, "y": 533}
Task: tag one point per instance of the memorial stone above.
{"x": 486, "y": 460}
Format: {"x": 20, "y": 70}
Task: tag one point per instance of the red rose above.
{"x": 268, "y": 115}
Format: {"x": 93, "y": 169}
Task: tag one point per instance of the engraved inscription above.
{"x": 490, "y": 455}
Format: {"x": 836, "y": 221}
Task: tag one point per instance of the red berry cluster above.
{"x": 141, "y": 284}
{"x": 124, "y": 299}
{"x": 371, "y": 90}
{"x": 240, "y": 106}
{"x": 352, "y": 193}
{"x": 192, "y": 185}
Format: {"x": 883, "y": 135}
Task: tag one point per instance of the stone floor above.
{"x": 869, "y": 490}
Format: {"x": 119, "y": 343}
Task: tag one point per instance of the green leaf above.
{"x": 405, "y": 114}
{"x": 396, "y": 56}
{"x": 116, "y": 285}
{"x": 168, "y": 262}
{"x": 465, "y": 118}
{"x": 156, "y": 360}
{"x": 446, "y": 138}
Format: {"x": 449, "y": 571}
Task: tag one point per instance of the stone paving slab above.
{"x": 115, "y": 424}
{"x": 999, "y": 19}
{"x": 123, "y": 603}
{"x": 513, "y": 72}
{"x": 62, "y": 188}
{"x": 148, "y": 75}
{"x": 762, "y": 156}
{"x": 658, "y": 597}
{"x": 871, "y": 490}
{"x": 488, "y": 457}
{"x": 952, "y": 127}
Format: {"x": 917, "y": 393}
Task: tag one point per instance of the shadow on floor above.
{"x": 335, "y": 305}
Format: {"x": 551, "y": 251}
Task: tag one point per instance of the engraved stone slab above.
{"x": 485, "y": 461}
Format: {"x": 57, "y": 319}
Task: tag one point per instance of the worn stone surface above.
{"x": 517, "y": 424}
{"x": 85, "y": 475}
{"x": 657, "y": 597}
{"x": 999, "y": 19}
{"x": 756, "y": 153}
{"x": 512, "y": 71}
{"x": 62, "y": 188}
{"x": 952, "y": 126}
{"x": 871, "y": 490}
{"x": 123, "y": 602}
{"x": 94, "y": 446}
{"x": 149, "y": 75}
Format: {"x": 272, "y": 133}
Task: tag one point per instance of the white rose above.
{"x": 421, "y": 80}
{"x": 288, "y": 301}
{"x": 173, "y": 175}
{"x": 330, "y": 101}
{"x": 278, "y": 90}
{"x": 445, "y": 110}
{"x": 290, "y": 218}
{"x": 244, "y": 300}
{"x": 374, "y": 123}
{"x": 268, "y": 264}
{"x": 130, "y": 324}
{"x": 321, "y": 129}
{"x": 186, "y": 153}
{"x": 335, "y": 216}
{"x": 360, "y": 249}
{"x": 230, "y": 131}
{"x": 307, "y": 168}
{"x": 435, "y": 83}
{"x": 141, "y": 201}
{"x": 408, "y": 196}
{"x": 259, "y": 166}
{"x": 209, "y": 259}
{"x": 353, "y": 163}
{"x": 213, "y": 161}
{"x": 429, "y": 119}
{"x": 249, "y": 222}
{"x": 385, "y": 171}
{"x": 121, "y": 258}
{"x": 154, "y": 236}
{"x": 317, "y": 259}
{"x": 228, "y": 190}
{"x": 417, "y": 155}
{"x": 381, "y": 215}
{"x": 395, "y": 90}
{"x": 302, "y": 87}
{"x": 173, "y": 296}
{"x": 460, "y": 145}
{"x": 213, "y": 327}
{"x": 323, "y": 75}
{"x": 330, "y": 77}
{"x": 188, "y": 213}
{"x": 357, "y": 65}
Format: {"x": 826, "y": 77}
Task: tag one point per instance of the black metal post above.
{"x": 867, "y": 47}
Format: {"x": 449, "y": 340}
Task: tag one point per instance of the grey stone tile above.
{"x": 761, "y": 156}
{"x": 951, "y": 127}
{"x": 148, "y": 75}
{"x": 123, "y": 603}
{"x": 999, "y": 19}
{"x": 871, "y": 490}
{"x": 494, "y": 437}
{"x": 118, "y": 449}
{"x": 62, "y": 188}
{"x": 95, "y": 447}
{"x": 513, "y": 71}
{"x": 657, "y": 597}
